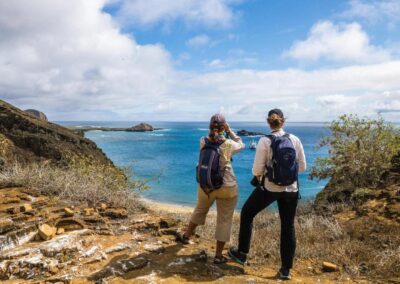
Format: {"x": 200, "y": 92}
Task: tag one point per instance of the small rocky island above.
{"x": 249, "y": 133}
{"x": 141, "y": 127}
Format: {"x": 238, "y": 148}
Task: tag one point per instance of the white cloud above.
{"x": 297, "y": 91}
{"x": 72, "y": 55}
{"x": 199, "y": 40}
{"x": 337, "y": 101}
{"x": 339, "y": 104}
{"x": 374, "y": 11}
{"x": 213, "y": 13}
{"x": 216, "y": 63}
{"x": 390, "y": 102}
{"x": 69, "y": 59}
{"x": 344, "y": 43}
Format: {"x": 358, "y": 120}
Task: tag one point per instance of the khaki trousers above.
{"x": 226, "y": 198}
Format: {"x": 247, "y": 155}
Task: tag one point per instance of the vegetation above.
{"x": 79, "y": 183}
{"x": 360, "y": 152}
{"x": 320, "y": 237}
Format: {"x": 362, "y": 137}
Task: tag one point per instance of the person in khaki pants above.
{"x": 226, "y": 196}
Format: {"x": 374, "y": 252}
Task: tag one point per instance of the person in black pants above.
{"x": 268, "y": 191}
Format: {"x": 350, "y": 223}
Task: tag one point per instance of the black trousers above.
{"x": 287, "y": 204}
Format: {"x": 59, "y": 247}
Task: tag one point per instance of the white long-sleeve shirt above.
{"x": 264, "y": 157}
{"x": 227, "y": 150}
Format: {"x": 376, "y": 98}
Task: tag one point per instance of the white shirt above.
{"x": 264, "y": 157}
{"x": 227, "y": 150}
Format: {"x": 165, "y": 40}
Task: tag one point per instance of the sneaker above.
{"x": 220, "y": 259}
{"x": 237, "y": 256}
{"x": 284, "y": 274}
{"x": 181, "y": 237}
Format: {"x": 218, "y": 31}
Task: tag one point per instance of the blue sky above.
{"x": 260, "y": 30}
{"x": 186, "y": 59}
{"x": 259, "y": 33}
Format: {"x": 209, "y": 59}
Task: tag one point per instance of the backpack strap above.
{"x": 298, "y": 183}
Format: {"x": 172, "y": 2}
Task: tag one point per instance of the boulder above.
{"x": 47, "y": 232}
{"x": 88, "y": 211}
{"x": 115, "y": 213}
{"x": 6, "y": 225}
{"x": 68, "y": 212}
{"x": 70, "y": 224}
{"x": 329, "y": 266}
{"x": 60, "y": 231}
{"x": 102, "y": 206}
{"x": 37, "y": 114}
{"x": 141, "y": 127}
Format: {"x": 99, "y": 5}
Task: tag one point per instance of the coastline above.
{"x": 167, "y": 207}
{"x": 175, "y": 208}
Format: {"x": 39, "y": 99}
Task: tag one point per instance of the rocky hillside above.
{"x": 26, "y": 138}
{"x": 383, "y": 201}
{"x": 46, "y": 240}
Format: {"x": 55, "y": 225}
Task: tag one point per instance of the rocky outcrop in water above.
{"x": 141, "y": 127}
{"x": 249, "y": 133}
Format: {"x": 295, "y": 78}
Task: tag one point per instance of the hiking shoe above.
{"x": 284, "y": 274}
{"x": 181, "y": 237}
{"x": 220, "y": 259}
{"x": 237, "y": 256}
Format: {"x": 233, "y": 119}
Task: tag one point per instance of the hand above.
{"x": 227, "y": 128}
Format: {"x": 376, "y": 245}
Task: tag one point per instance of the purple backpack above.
{"x": 209, "y": 174}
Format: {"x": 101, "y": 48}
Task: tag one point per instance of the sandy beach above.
{"x": 167, "y": 207}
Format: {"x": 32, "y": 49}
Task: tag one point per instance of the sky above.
{"x": 184, "y": 60}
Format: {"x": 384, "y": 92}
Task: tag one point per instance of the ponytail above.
{"x": 275, "y": 121}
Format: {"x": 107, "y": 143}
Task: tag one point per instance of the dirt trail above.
{"x": 104, "y": 245}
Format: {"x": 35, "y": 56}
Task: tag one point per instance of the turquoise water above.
{"x": 167, "y": 158}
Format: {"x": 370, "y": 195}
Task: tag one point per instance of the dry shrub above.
{"x": 91, "y": 184}
{"x": 319, "y": 238}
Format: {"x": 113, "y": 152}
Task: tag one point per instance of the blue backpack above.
{"x": 209, "y": 173}
{"x": 284, "y": 168}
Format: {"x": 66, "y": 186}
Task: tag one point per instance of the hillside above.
{"x": 25, "y": 138}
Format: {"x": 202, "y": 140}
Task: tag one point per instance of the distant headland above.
{"x": 141, "y": 127}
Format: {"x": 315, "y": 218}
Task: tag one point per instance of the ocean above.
{"x": 167, "y": 158}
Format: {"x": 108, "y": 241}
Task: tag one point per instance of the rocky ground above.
{"x": 44, "y": 240}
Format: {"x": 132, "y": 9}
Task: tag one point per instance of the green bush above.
{"x": 360, "y": 152}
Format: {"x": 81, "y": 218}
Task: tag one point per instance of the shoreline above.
{"x": 167, "y": 207}
{"x": 175, "y": 208}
